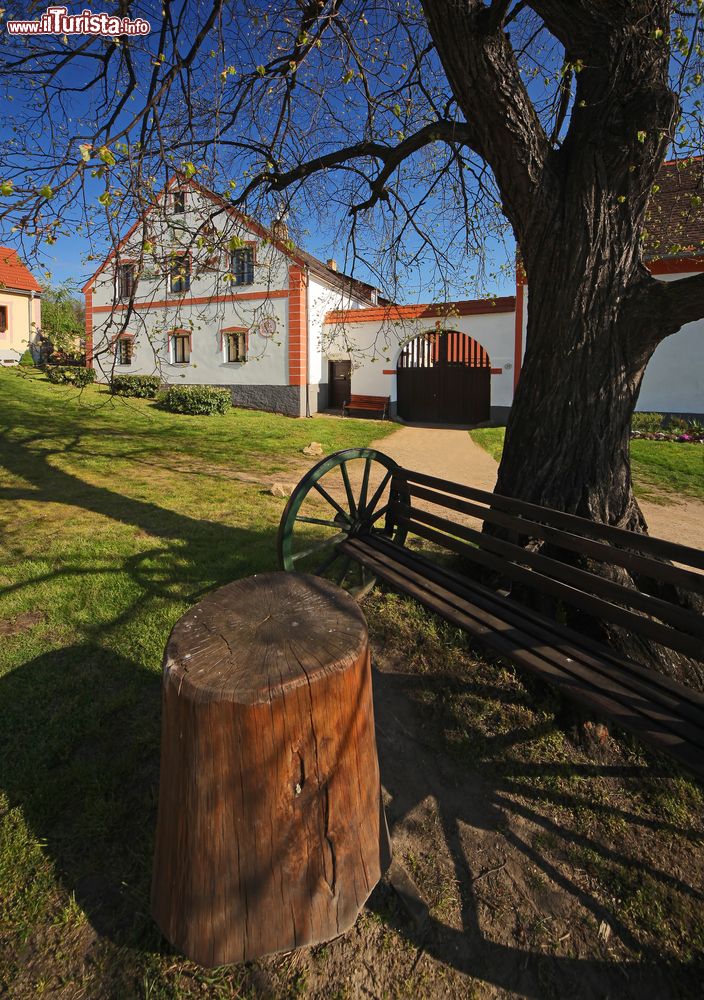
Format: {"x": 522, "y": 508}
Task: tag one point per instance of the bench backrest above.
{"x": 420, "y": 504}
{"x": 371, "y": 400}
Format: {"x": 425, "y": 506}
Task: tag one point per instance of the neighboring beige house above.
{"x": 20, "y": 307}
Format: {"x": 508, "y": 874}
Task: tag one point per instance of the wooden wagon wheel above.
{"x": 344, "y": 495}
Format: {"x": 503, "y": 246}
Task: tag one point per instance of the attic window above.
{"x": 180, "y": 274}
{"x": 243, "y": 266}
{"x": 126, "y": 280}
{"x": 178, "y": 202}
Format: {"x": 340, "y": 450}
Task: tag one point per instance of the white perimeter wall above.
{"x": 674, "y": 378}
{"x": 376, "y": 346}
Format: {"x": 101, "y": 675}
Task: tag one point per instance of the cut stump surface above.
{"x": 270, "y": 833}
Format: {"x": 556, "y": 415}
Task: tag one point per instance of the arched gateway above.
{"x": 444, "y": 377}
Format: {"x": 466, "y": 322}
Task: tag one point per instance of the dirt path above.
{"x": 443, "y": 452}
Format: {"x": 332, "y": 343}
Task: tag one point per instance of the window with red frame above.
{"x": 126, "y": 280}
{"x": 236, "y": 347}
{"x": 181, "y": 348}
{"x": 124, "y": 351}
{"x": 180, "y": 274}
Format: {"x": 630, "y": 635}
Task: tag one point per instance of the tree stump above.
{"x": 270, "y": 832}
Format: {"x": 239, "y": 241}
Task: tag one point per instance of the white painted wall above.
{"x": 374, "y": 347}
{"x": 674, "y": 378}
{"x": 321, "y": 300}
{"x": 158, "y": 311}
{"x": 24, "y": 318}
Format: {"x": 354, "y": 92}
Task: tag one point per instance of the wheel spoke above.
{"x": 365, "y": 486}
{"x": 379, "y": 513}
{"x": 348, "y": 489}
{"x": 368, "y": 583}
{"x": 325, "y": 566}
{"x": 318, "y": 520}
{"x": 333, "y": 503}
{"x": 319, "y": 546}
{"x": 377, "y": 494}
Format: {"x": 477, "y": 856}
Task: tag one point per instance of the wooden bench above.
{"x": 376, "y": 404}
{"x": 424, "y": 537}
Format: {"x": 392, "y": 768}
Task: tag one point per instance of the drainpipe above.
{"x": 30, "y": 310}
{"x": 308, "y": 413}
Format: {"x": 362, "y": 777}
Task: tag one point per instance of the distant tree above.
{"x": 62, "y": 327}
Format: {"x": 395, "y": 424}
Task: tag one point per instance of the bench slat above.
{"x": 656, "y": 569}
{"x": 647, "y": 544}
{"x": 566, "y": 641}
{"x": 600, "y": 608}
{"x": 583, "y": 580}
{"x": 523, "y": 649}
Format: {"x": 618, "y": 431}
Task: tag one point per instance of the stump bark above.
{"x": 270, "y": 833}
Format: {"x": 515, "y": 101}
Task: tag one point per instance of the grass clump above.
{"x": 647, "y": 423}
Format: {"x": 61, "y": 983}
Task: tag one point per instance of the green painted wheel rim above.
{"x": 358, "y": 509}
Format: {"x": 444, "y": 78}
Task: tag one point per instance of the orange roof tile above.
{"x": 424, "y": 310}
{"x": 13, "y": 273}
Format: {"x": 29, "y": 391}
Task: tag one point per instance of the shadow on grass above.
{"x": 206, "y": 553}
{"x": 79, "y": 752}
{"x": 477, "y": 810}
{"x": 80, "y": 726}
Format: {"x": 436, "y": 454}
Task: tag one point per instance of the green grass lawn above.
{"x": 115, "y": 518}
{"x": 659, "y": 467}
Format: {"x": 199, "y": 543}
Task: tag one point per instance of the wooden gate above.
{"x": 444, "y": 377}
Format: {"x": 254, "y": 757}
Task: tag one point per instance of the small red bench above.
{"x": 377, "y": 404}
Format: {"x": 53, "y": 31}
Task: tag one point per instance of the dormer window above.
{"x": 126, "y": 280}
{"x": 178, "y": 202}
{"x": 242, "y": 266}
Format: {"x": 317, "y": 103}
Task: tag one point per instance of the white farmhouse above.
{"x": 200, "y": 294}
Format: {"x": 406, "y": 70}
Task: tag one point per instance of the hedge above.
{"x": 70, "y": 375}
{"x": 26, "y": 361}
{"x": 141, "y": 386}
{"x": 197, "y": 399}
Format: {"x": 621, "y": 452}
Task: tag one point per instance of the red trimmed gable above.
{"x": 14, "y": 274}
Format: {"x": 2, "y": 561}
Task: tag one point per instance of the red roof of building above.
{"x": 13, "y": 273}
{"x": 675, "y": 221}
{"x": 423, "y": 310}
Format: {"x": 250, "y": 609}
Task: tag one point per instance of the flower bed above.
{"x": 664, "y": 436}
{"x": 658, "y": 427}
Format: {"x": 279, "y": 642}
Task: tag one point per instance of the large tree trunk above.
{"x": 577, "y": 204}
{"x": 567, "y": 439}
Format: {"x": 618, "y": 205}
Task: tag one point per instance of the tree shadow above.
{"x": 201, "y": 553}
{"x": 475, "y": 806}
{"x": 79, "y": 753}
{"x": 80, "y": 726}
